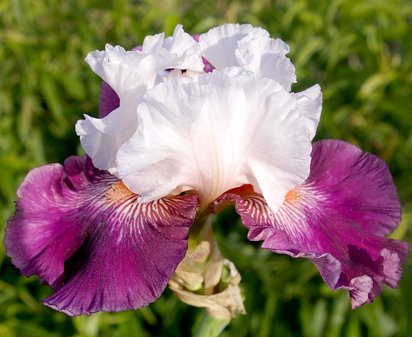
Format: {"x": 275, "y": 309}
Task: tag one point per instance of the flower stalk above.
{"x": 211, "y": 326}
{"x": 205, "y": 279}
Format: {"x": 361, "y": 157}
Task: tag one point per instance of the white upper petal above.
{"x": 131, "y": 74}
{"x": 310, "y": 104}
{"x": 186, "y": 50}
{"x": 123, "y": 70}
{"x": 215, "y": 132}
{"x": 219, "y": 44}
{"x": 266, "y": 58}
{"x": 250, "y": 48}
{"x": 101, "y": 138}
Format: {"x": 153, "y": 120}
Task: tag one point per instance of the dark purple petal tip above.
{"x": 338, "y": 219}
{"x": 84, "y": 233}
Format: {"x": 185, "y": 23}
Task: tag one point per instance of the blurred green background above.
{"x": 359, "y": 51}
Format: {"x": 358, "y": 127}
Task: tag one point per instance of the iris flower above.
{"x": 188, "y": 126}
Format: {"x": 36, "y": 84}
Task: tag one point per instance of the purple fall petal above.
{"x": 40, "y": 236}
{"x": 338, "y": 218}
{"x": 83, "y": 232}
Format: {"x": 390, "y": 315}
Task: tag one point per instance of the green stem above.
{"x": 200, "y": 229}
{"x": 211, "y": 326}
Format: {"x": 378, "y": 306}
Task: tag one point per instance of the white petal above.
{"x": 152, "y": 44}
{"x": 130, "y": 74}
{"x": 124, "y": 71}
{"x": 215, "y": 132}
{"x": 266, "y": 58}
{"x": 219, "y": 44}
{"x": 102, "y": 138}
{"x": 310, "y": 104}
{"x": 186, "y": 50}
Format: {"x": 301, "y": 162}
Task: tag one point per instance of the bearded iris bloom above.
{"x": 177, "y": 140}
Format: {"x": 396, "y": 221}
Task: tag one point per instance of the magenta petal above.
{"x": 359, "y": 185}
{"x": 84, "y": 233}
{"x": 108, "y": 100}
{"x": 338, "y": 218}
{"x": 41, "y": 236}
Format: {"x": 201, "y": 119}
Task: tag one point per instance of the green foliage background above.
{"x": 359, "y": 51}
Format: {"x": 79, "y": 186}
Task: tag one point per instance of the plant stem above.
{"x": 211, "y": 326}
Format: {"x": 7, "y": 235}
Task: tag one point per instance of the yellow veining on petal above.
{"x": 118, "y": 192}
{"x": 292, "y": 196}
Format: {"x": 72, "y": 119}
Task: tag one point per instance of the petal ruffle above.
{"x": 310, "y": 104}
{"x": 338, "y": 218}
{"x": 219, "y": 44}
{"x": 125, "y": 71}
{"x": 266, "y": 57}
{"x": 186, "y": 50}
{"x": 250, "y": 48}
{"x": 84, "y": 233}
{"x": 101, "y": 138}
